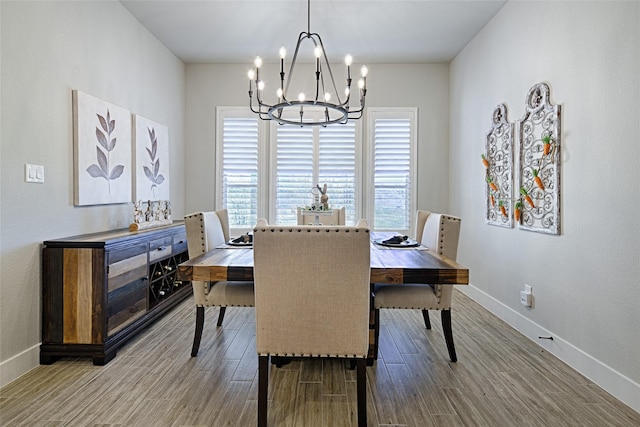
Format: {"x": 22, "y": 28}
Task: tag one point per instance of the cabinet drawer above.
{"x": 159, "y": 248}
{"x": 126, "y": 304}
{"x": 122, "y": 254}
{"x": 179, "y": 243}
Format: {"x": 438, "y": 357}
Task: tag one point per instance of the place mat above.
{"x": 242, "y": 241}
{"x": 230, "y": 245}
{"x": 239, "y": 244}
{"x": 406, "y": 244}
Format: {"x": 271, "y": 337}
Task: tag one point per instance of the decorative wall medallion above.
{"x": 539, "y": 163}
{"x": 498, "y": 161}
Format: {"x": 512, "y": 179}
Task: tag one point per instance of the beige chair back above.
{"x": 441, "y": 233}
{"x": 337, "y": 217}
{"x": 312, "y": 291}
{"x": 206, "y": 230}
{"x": 438, "y": 232}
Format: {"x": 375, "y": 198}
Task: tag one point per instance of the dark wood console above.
{"x": 100, "y": 289}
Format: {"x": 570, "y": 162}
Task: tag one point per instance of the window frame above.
{"x": 223, "y": 113}
{"x": 364, "y": 162}
{"x": 358, "y": 162}
{"x": 385, "y": 113}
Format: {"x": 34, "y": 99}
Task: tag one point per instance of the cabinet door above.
{"x": 72, "y": 304}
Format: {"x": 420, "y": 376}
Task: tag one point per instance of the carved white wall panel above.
{"x": 498, "y": 161}
{"x": 539, "y": 163}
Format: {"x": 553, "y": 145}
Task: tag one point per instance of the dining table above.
{"x": 389, "y": 264}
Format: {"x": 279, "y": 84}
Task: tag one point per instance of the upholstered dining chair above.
{"x": 205, "y": 231}
{"x": 336, "y": 218}
{"x": 313, "y": 298}
{"x": 439, "y": 233}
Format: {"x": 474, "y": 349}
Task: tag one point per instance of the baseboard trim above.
{"x": 18, "y": 365}
{"x": 610, "y": 380}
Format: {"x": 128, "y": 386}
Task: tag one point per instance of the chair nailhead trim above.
{"x": 340, "y": 356}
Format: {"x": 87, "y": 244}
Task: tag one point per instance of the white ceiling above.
{"x": 391, "y": 31}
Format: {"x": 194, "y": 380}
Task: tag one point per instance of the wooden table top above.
{"x": 406, "y": 265}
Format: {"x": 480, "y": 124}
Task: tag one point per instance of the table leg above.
{"x": 374, "y": 319}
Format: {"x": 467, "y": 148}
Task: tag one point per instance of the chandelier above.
{"x": 302, "y": 111}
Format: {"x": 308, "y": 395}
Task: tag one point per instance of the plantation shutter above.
{"x": 309, "y": 156}
{"x": 240, "y": 171}
{"x": 337, "y": 167}
{"x": 392, "y": 174}
{"x": 294, "y": 171}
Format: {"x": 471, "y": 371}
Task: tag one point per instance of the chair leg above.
{"x": 280, "y": 361}
{"x": 427, "y": 322}
{"x": 376, "y": 333}
{"x": 263, "y": 388}
{"x": 198, "y": 333}
{"x": 361, "y": 385}
{"x": 221, "y": 315}
{"x": 445, "y": 315}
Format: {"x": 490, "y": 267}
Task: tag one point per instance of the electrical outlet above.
{"x": 525, "y": 299}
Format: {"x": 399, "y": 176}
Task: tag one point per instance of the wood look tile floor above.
{"x": 501, "y": 379}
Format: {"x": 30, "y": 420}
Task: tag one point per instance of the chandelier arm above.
{"x": 318, "y": 78}
{"x": 359, "y": 110}
{"x": 326, "y": 60}
{"x": 263, "y": 115}
{"x": 258, "y": 95}
{"x": 303, "y": 35}
{"x": 251, "y": 105}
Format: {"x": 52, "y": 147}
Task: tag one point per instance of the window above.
{"x": 309, "y": 156}
{"x": 391, "y": 182}
{"x": 238, "y": 183}
{"x": 270, "y": 174}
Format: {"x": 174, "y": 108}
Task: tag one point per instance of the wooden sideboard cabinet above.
{"x": 100, "y": 289}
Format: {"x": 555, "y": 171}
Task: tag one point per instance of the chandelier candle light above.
{"x": 320, "y": 110}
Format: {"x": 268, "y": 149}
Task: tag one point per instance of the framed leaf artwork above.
{"x": 151, "y": 159}
{"x": 101, "y": 151}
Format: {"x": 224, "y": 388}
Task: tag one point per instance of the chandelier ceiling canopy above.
{"x": 327, "y": 106}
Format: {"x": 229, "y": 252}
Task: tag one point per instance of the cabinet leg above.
{"x": 103, "y": 359}
{"x": 46, "y": 359}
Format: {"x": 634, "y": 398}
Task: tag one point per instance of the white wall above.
{"x": 585, "y": 281}
{"x": 404, "y": 85}
{"x": 48, "y": 49}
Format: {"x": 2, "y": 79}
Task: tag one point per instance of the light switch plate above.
{"x": 34, "y": 173}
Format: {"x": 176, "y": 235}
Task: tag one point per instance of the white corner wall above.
{"x": 585, "y": 281}
{"x": 48, "y": 49}
{"x": 425, "y": 86}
